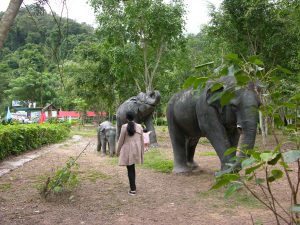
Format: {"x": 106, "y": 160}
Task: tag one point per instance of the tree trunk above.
{"x": 8, "y": 19}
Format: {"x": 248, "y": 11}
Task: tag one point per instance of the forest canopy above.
{"x": 141, "y": 46}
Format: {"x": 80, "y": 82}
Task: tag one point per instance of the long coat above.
{"x": 131, "y": 148}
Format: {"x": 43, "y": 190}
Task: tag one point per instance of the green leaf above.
{"x": 215, "y": 97}
{"x": 271, "y": 179}
{"x": 231, "y": 189}
{"x": 204, "y": 64}
{"x": 200, "y": 81}
{"x": 284, "y": 165}
{"x": 226, "y": 97}
{"x": 266, "y": 156}
{"x": 229, "y": 151}
{"x": 295, "y": 208}
{"x": 256, "y": 60}
{"x": 220, "y": 183}
{"x": 277, "y": 173}
{"x": 194, "y": 81}
{"x": 251, "y": 169}
{"x": 259, "y": 180}
{"x": 275, "y": 160}
{"x": 296, "y": 97}
{"x": 248, "y": 162}
{"x": 216, "y": 87}
{"x": 242, "y": 78}
{"x": 189, "y": 82}
{"x": 284, "y": 70}
{"x": 291, "y": 156}
{"x": 233, "y": 58}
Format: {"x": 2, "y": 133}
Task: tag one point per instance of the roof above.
{"x": 77, "y": 114}
{"x": 68, "y": 113}
{"x": 49, "y": 106}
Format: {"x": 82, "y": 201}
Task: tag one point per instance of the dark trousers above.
{"x": 131, "y": 177}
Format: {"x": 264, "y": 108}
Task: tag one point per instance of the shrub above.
{"x": 161, "y": 121}
{"x": 18, "y": 138}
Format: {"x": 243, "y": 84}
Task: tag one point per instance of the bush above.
{"x": 161, "y": 121}
{"x": 18, "y": 138}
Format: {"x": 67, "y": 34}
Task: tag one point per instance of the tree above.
{"x": 140, "y": 33}
{"x": 8, "y": 19}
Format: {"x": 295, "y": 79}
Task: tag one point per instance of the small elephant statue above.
{"x": 106, "y": 134}
{"x": 142, "y": 106}
{"x": 192, "y": 115}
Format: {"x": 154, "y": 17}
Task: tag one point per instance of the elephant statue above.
{"x": 106, "y": 133}
{"x": 142, "y": 106}
{"x": 191, "y": 115}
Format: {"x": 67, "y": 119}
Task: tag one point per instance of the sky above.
{"x": 79, "y": 10}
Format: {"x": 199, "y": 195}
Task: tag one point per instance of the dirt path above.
{"x": 101, "y": 197}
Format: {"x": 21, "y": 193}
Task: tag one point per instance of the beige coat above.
{"x": 131, "y": 148}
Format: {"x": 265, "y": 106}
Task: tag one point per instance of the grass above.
{"x": 94, "y": 175}
{"x": 206, "y": 153}
{"x": 5, "y": 187}
{"x": 153, "y": 159}
{"x": 204, "y": 141}
{"x": 240, "y": 198}
{"x": 84, "y": 131}
{"x": 156, "y": 160}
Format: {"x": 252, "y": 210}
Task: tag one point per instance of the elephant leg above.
{"x": 111, "y": 149}
{"x": 103, "y": 146}
{"x": 119, "y": 126}
{"x": 179, "y": 150}
{"x": 98, "y": 142}
{"x": 152, "y": 136}
{"x": 218, "y": 138}
{"x": 190, "y": 146}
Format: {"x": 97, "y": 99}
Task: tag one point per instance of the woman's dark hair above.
{"x": 130, "y": 126}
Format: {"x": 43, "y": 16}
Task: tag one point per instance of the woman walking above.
{"x": 131, "y": 149}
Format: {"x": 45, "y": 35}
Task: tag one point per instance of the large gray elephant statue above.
{"x": 106, "y": 134}
{"x": 143, "y": 106}
{"x": 192, "y": 115}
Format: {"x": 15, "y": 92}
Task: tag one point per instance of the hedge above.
{"x": 18, "y": 138}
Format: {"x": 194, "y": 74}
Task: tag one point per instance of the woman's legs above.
{"x": 131, "y": 176}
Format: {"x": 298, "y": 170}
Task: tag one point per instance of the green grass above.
{"x": 5, "y": 187}
{"x": 204, "y": 141}
{"x": 239, "y": 198}
{"x": 85, "y": 132}
{"x": 156, "y": 160}
{"x": 113, "y": 161}
{"x": 153, "y": 159}
{"x": 206, "y": 153}
{"x": 93, "y": 176}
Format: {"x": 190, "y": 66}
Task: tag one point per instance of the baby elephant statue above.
{"x": 192, "y": 115}
{"x": 106, "y": 133}
{"x": 142, "y": 106}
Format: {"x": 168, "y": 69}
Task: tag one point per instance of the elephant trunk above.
{"x": 248, "y": 136}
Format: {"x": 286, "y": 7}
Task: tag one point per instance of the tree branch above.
{"x": 8, "y": 19}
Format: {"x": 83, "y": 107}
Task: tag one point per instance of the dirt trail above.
{"x": 101, "y": 197}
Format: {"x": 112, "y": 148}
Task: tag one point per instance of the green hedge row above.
{"x": 18, "y": 138}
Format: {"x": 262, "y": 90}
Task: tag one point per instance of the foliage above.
{"x": 139, "y": 34}
{"x": 65, "y": 179}
{"x": 31, "y": 61}
{"x": 18, "y": 138}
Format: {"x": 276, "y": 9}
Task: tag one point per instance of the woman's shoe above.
{"x": 132, "y": 193}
